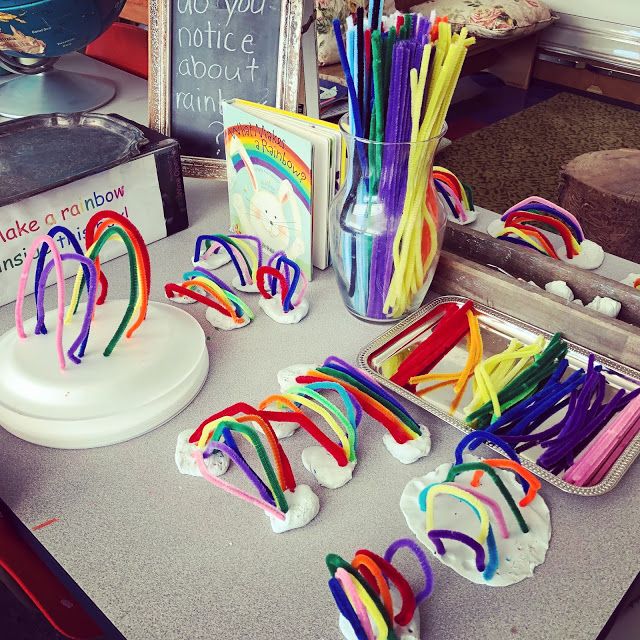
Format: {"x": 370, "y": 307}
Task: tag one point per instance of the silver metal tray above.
{"x": 42, "y": 152}
{"x": 381, "y": 357}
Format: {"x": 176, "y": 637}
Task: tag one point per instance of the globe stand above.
{"x": 54, "y": 91}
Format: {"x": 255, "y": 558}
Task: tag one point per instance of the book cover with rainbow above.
{"x": 269, "y": 172}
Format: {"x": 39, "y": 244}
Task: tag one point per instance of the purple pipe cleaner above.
{"x": 406, "y": 543}
{"x": 83, "y": 335}
{"x": 436, "y": 535}
{"x": 238, "y": 458}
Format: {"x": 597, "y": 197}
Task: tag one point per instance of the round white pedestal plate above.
{"x": 146, "y": 381}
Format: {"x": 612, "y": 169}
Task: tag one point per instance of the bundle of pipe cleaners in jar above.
{"x": 401, "y": 72}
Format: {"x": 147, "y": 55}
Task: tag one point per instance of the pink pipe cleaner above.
{"x": 456, "y": 201}
{"x": 35, "y": 245}
{"x": 234, "y": 491}
{"x": 346, "y": 582}
{"x": 533, "y": 200}
{"x": 492, "y": 504}
{"x": 239, "y": 257}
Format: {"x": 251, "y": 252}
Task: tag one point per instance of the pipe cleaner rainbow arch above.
{"x": 374, "y": 399}
{"x": 217, "y": 294}
{"x": 292, "y": 415}
{"x": 217, "y": 435}
{"x": 362, "y": 590}
{"x": 457, "y": 195}
{"x": 520, "y": 226}
{"x": 238, "y": 247}
{"x": 102, "y": 227}
{"x": 39, "y": 244}
{"x": 346, "y": 432}
{"x": 283, "y": 274}
{"x": 486, "y": 561}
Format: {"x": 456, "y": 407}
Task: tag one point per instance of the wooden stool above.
{"x": 602, "y": 189}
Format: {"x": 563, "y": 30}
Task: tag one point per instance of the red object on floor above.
{"x": 58, "y": 605}
{"x": 124, "y": 46}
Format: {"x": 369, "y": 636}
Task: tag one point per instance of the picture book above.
{"x": 269, "y": 175}
{"x": 317, "y": 143}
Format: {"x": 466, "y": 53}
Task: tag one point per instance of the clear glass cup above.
{"x": 386, "y": 226}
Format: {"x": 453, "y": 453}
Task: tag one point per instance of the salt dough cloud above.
{"x": 226, "y": 323}
{"x": 281, "y": 429}
{"x": 325, "y": 469}
{"x": 561, "y": 289}
{"x": 410, "y": 631}
{"x": 249, "y": 287}
{"x": 304, "y": 506}
{"x": 214, "y": 261}
{"x": 606, "y": 306}
{"x": 591, "y": 254}
{"x": 287, "y": 376}
{"x": 410, "y": 451}
{"x": 495, "y": 227}
{"x": 471, "y": 216}
{"x": 273, "y": 308}
{"x": 217, "y": 463}
{"x": 518, "y": 554}
{"x": 630, "y": 279}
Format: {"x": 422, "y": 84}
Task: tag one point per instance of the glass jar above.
{"x": 386, "y": 226}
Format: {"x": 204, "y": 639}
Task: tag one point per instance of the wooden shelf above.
{"x": 136, "y": 11}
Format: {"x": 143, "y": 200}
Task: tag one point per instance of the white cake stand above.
{"x": 146, "y": 381}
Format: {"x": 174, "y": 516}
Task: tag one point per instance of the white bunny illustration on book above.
{"x": 266, "y": 216}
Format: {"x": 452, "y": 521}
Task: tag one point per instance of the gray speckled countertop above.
{"x": 171, "y": 557}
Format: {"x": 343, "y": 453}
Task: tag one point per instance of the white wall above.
{"x": 619, "y": 11}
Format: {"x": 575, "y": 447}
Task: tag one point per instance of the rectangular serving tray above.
{"x": 382, "y": 356}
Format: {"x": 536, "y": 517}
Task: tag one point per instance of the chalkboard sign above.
{"x": 207, "y": 51}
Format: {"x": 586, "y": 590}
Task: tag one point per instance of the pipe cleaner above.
{"x": 374, "y": 598}
{"x": 236, "y": 248}
{"x": 447, "y": 333}
{"x": 225, "y": 310}
{"x": 461, "y": 378}
{"x": 519, "y": 225}
{"x": 35, "y": 245}
{"x": 102, "y": 227}
{"x": 283, "y": 274}
{"x": 457, "y": 196}
{"x": 287, "y": 504}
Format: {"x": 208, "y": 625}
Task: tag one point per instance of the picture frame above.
{"x": 160, "y": 75}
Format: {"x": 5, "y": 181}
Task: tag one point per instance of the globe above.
{"x": 33, "y": 35}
